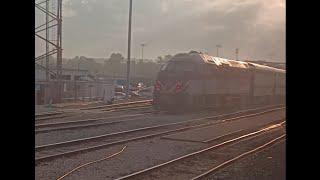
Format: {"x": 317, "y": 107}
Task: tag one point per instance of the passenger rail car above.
{"x": 196, "y": 80}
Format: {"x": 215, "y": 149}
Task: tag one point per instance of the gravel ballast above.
{"x": 138, "y": 155}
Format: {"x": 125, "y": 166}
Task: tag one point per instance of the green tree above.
{"x": 116, "y": 57}
{"x": 113, "y": 66}
{"x": 167, "y": 57}
{"x": 162, "y": 60}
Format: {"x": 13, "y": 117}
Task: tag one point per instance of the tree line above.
{"x": 115, "y": 65}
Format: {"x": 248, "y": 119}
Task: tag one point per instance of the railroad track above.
{"x": 92, "y": 122}
{"x": 170, "y": 128}
{"x": 49, "y": 115}
{"x": 134, "y": 105}
{"x": 129, "y": 107}
{"x": 205, "y": 162}
{"x": 118, "y": 105}
{"x": 78, "y": 124}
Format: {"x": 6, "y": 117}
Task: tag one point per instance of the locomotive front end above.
{"x": 172, "y": 84}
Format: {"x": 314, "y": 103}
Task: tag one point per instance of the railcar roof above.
{"x": 268, "y": 68}
{"x": 207, "y": 59}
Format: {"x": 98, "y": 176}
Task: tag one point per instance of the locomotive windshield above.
{"x": 178, "y": 67}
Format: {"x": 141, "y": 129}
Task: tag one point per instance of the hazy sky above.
{"x": 96, "y": 28}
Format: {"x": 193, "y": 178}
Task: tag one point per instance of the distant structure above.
{"x": 218, "y": 46}
{"x": 237, "y": 54}
{"x": 78, "y": 84}
{"x": 52, "y": 13}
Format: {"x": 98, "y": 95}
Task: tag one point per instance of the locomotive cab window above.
{"x": 167, "y": 67}
{"x": 178, "y": 67}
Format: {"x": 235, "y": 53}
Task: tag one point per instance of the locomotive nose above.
{"x": 179, "y": 86}
{"x": 157, "y": 86}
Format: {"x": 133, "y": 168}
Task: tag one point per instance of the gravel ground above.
{"x": 65, "y": 135}
{"x": 111, "y": 139}
{"x": 138, "y": 155}
{"x": 86, "y": 104}
{"x": 263, "y": 118}
{"x": 86, "y": 123}
{"x": 144, "y": 121}
{"x": 269, "y": 164}
{"x": 192, "y": 166}
{"x": 116, "y": 138}
{"x": 214, "y": 131}
{"x": 89, "y": 114}
{"x": 97, "y": 113}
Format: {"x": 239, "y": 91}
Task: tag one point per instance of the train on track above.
{"x": 196, "y": 80}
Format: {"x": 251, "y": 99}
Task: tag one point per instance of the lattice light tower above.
{"x": 51, "y": 10}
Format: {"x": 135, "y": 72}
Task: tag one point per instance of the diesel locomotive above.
{"x": 196, "y": 80}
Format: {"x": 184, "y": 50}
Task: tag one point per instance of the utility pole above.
{"x": 237, "y": 53}
{"x": 218, "y": 46}
{"x": 75, "y": 89}
{"x": 142, "y": 46}
{"x": 129, "y": 49}
{"x": 75, "y": 83}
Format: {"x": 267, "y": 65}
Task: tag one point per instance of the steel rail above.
{"x": 84, "y": 125}
{"x": 50, "y": 157}
{"x": 86, "y": 120}
{"x": 154, "y": 127}
{"x": 228, "y": 162}
{"x": 116, "y": 105}
{"x": 197, "y": 152}
{"x": 49, "y": 113}
{"x": 129, "y": 107}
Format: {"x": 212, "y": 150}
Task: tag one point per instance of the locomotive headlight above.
{"x": 179, "y": 86}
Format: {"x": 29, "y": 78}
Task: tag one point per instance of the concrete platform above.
{"x": 210, "y": 133}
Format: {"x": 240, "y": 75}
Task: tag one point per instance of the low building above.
{"x": 77, "y": 84}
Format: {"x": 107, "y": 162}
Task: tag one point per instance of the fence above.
{"x": 71, "y": 91}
